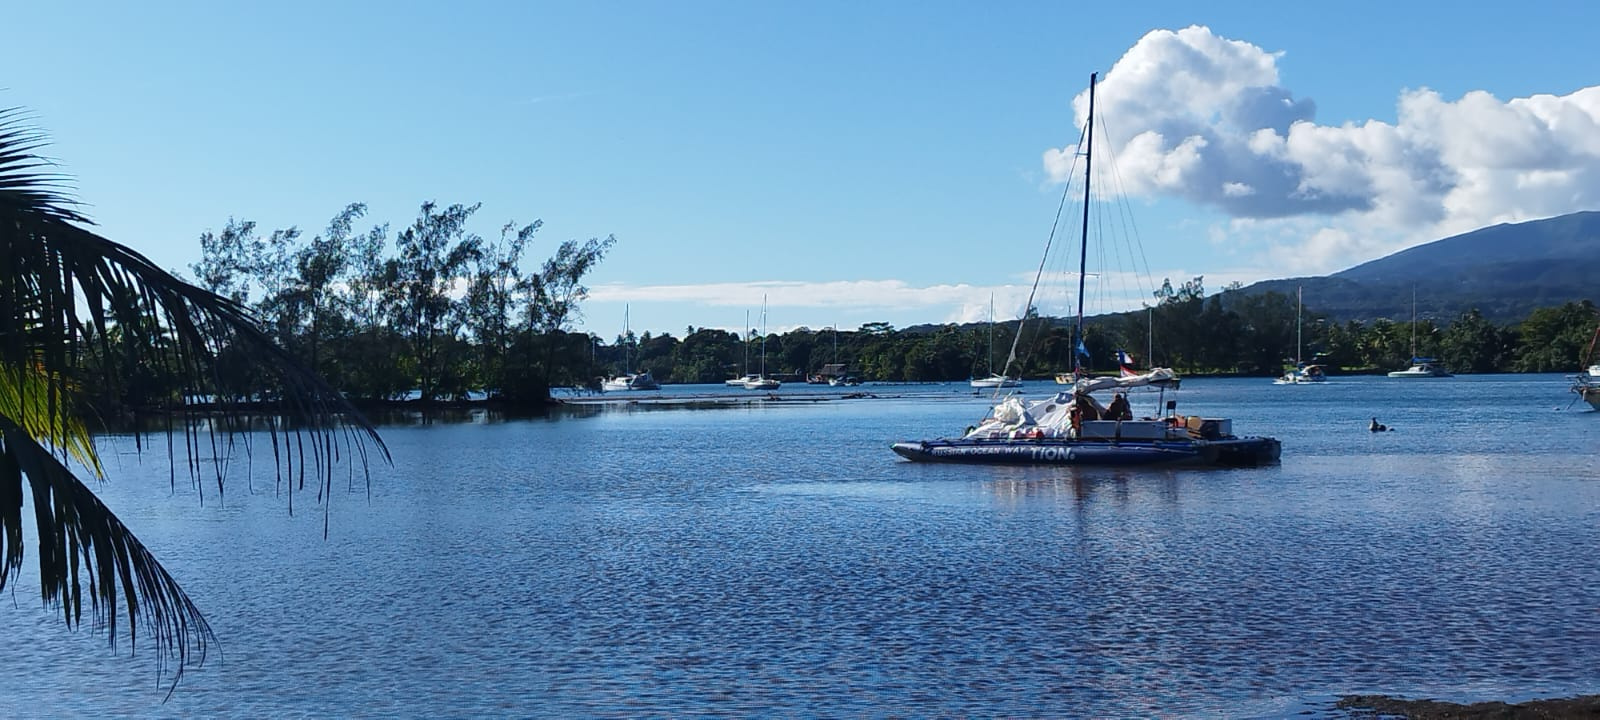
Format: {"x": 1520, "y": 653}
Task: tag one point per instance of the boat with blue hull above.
{"x": 1073, "y": 428}
{"x": 1234, "y": 452}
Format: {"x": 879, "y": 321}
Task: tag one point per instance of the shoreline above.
{"x": 1384, "y": 706}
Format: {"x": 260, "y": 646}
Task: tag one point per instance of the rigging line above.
{"x": 1108, "y": 255}
{"x": 1137, "y": 240}
{"x": 1122, "y": 215}
{"x": 1049, "y": 242}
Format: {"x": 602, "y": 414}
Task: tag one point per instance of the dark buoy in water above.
{"x": 1377, "y": 426}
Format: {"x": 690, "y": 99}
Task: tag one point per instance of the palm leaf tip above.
{"x": 25, "y": 186}
{"x": 81, "y": 539}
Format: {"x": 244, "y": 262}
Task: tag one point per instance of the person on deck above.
{"x": 1119, "y": 409}
{"x": 1086, "y": 407}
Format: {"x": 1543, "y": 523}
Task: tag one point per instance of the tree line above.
{"x": 436, "y": 312}
{"x": 1183, "y": 329}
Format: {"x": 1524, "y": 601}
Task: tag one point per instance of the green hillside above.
{"x": 1504, "y": 271}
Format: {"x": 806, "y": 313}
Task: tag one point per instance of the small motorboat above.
{"x": 631, "y": 381}
{"x": 1422, "y": 367}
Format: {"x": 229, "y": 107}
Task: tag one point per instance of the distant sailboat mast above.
{"x": 1413, "y": 323}
{"x": 763, "y": 337}
{"x": 991, "y": 333}
{"x": 1299, "y": 302}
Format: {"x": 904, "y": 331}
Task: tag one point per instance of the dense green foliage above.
{"x": 442, "y": 312}
{"x": 1185, "y": 330}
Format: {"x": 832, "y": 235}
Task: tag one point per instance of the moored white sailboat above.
{"x": 629, "y": 380}
{"x": 747, "y": 376}
{"x": 994, "y": 380}
{"x": 761, "y": 381}
{"x": 1301, "y": 373}
{"x": 1421, "y": 367}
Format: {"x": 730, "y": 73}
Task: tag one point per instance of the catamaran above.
{"x": 1073, "y": 428}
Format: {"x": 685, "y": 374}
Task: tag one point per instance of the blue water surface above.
{"x": 777, "y": 559}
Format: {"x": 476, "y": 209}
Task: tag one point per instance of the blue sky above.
{"x": 851, "y": 162}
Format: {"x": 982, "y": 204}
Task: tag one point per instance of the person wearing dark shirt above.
{"x": 1119, "y": 410}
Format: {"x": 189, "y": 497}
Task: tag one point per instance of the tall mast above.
{"x": 991, "y": 333}
{"x": 1413, "y": 323}
{"x": 746, "y": 335}
{"x": 1299, "y": 299}
{"x": 1083, "y": 250}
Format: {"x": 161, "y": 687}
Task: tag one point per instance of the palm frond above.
{"x": 63, "y": 289}
{"x": 78, "y": 533}
{"x": 24, "y": 395}
{"x": 22, "y": 186}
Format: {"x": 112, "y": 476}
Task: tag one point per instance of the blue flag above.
{"x": 1083, "y": 350}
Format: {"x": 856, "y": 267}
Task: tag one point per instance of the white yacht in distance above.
{"x": 761, "y": 381}
{"x": 748, "y": 376}
{"x": 1301, "y": 373}
{"x": 629, "y": 380}
{"x": 995, "y": 380}
{"x": 1421, "y": 367}
{"x": 633, "y": 381}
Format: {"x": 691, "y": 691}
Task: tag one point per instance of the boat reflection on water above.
{"x": 1083, "y": 485}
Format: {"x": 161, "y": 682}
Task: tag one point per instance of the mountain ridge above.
{"x": 1504, "y": 271}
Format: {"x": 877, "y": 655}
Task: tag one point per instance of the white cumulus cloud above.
{"x": 1193, "y": 115}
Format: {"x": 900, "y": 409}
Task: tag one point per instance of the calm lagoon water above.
{"x": 780, "y": 560}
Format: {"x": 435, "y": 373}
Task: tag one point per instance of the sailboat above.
{"x": 629, "y": 380}
{"x": 1072, "y": 428}
{"x": 762, "y": 382}
{"x": 1301, "y": 373}
{"x": 1421, "y": 367}
{"x": 747, "y": 376}
{"x": 995, "y": 380}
